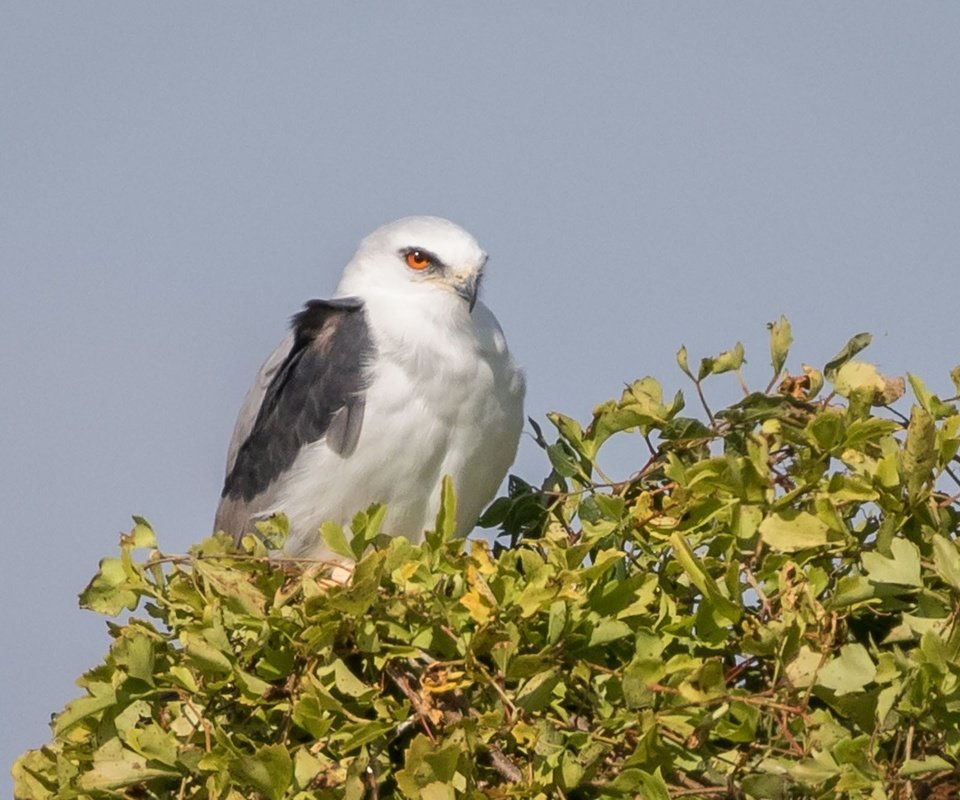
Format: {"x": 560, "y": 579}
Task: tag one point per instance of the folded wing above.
{"x": 311, "y": 388}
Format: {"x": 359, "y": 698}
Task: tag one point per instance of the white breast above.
{"x": 444, "y": 398}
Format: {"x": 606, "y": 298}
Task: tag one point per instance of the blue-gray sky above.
{"x": 176, "y": 178}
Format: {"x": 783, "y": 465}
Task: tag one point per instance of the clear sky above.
{"x": 177, "y": 178}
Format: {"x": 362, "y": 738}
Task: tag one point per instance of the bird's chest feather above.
{"x": 430, "y": 397}
{"x": 440, "y": 399}
{"x": 434, "y": 374}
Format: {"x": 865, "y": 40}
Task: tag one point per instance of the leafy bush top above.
{"x": 766, "y": 608}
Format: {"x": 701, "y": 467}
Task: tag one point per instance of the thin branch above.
{"x": 703, "y": 402}
{"x": 904, "y": 419}
{"x": 743, "y": 383}
{"x": 650, "y": 447}
{"x": 773, "y": 382}
{"x": 403, "y": 684}
{"x": 718, "y": 791}
{"x": 767, "y": 608}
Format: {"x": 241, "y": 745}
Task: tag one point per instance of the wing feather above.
{"x": 311, "y": 388}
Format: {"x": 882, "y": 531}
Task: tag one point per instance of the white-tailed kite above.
{"x": 402, "y": 378}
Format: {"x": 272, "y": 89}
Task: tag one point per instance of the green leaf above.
{"x": 234, "y": 588}
{"x": 791, "y": 531}
{"x": 346, "y": 682}
{"x": 568, "y": 428}
{"x": 335, "y": 540}
{"x": 920, "y": 766}
{"x": 946, "y": 560}
{"x": 685, "y": 428}
{"x": 273, "y": 531}
{"x": 859, "y": 377}
{"x": 557, "y": 621}
{"x": 84, "y": 707}
{"x": 802, "y": 671}
{"x": 928, "y": 400}
{"x": 608, "y": 630}
{"x": 766, "y": 787}
{"x": 683, "y": 363}
{"x": 309, "y": 714}
{"x": 365, "y": 526}
{"x": 115, "y": 767}
{"x": 142, "y": 534}
{"x": 849, "y": 672}
{"x": 903, "y": 567}
{"x": 446, "y": 526}
{"x": 269, "y": 770}
{"x": 652, "y": 785}
{"x": 437, "y": 791}
{"x": 562, "y": 461}
{"x": 204, "y": 655}
{"x": 722, "y": 605}
{"x": 850, "y": 349}
{"x": 139, "y": 652}
{"x": 641, "y": 406}
{"x": 781, "y": 337}
{"x": 537, "y": 692}
{"x": 826, "y": 430}
{"x": 110, "y": 591}
{"x": 919, "y": 455}
{"x": 727, "y": 361}
{"x": 153, "y": 743}
{"x": 358, "y": 735}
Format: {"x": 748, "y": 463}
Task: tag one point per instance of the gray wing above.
{"x": 312, "y": 387}
{"x": 254, "y": 398}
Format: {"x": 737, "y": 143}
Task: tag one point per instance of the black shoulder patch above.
{"x": 322, "y": 380}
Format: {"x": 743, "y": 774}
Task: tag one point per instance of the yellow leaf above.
{"x": 477, "y": 606}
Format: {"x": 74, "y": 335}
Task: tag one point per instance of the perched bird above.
{"x": 377, "y": 394}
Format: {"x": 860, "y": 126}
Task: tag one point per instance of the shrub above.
{"x": 766, "y": 608}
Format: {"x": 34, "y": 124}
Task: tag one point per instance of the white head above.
{"x": 429, "y": 257}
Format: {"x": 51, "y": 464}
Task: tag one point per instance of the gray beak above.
{"x": 468, "y": 286}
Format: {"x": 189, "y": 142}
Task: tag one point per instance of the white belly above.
{"x": 459, "y": 416}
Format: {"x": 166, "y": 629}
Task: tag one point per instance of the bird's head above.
{"x": 417, "y": 255}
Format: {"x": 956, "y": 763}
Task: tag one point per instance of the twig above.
{"x": 737, "y": 670}
{"x": 751, "y": 579}
{"x": 903, "y": 419}
{"x": 276, "y": 559}
{"x": 653, "y": 450}
{"x": 718, "y": 791}
{"x": 945, "y": 500}
{"x": 743, "y": 383}
{"x": 511, "y": 708}
{"x": 750, "y": 699}
{"x": 773, "y": 381}
{"x": 373, "y": 784}
{"x": 907, "y": 754}
{"x": 783, "y": 720}
{"x": 201, "y": 721}
{"x": 404, "y": 685}
{"x": 703, "y": 402}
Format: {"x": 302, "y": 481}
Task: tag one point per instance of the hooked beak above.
{"x": 468, "y": 286}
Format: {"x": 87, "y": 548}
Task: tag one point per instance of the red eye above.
{"x": 417, "y": 260}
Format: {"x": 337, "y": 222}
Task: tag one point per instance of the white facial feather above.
{"x": 379, "y": 264}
